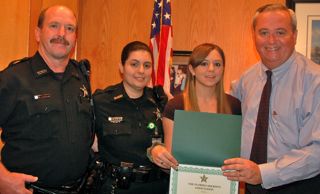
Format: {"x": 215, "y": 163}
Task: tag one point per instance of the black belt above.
{"x": 138, "y": 174}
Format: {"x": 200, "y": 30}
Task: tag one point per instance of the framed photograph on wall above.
{"x": 308, "y": 25}
{"x": 179, "y": 71}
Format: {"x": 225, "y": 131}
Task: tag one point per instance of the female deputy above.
{"x": 128, "y": 120}
{"x": 204, "y": 93}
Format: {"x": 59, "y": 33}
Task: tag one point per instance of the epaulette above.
{"x": 108, "y": 90}
{"x": 74, "y": 61}
{"x": 148, "y": 91}
{"x": 98, "y": 92}
{"x": 83, "y": 65}
{"x": 110, "y": 93}
{"x": 19, "y": 61}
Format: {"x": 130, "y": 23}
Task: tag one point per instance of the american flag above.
{"x": 155, "y": 37}
{"x": 161, "y": 43}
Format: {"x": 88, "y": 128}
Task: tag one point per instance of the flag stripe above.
{"x": 162, "y": 47}
{"x": 162, "y": 54}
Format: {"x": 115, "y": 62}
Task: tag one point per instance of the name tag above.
{"x": 115, "y": 119}
{"x": 41, "y": 96}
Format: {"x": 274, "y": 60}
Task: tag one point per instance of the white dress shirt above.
{"x": 294, "y": 119}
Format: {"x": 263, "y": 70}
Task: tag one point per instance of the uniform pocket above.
{"x": 44, "y": 106}
{"x": 44, "y": 117}
{"x": 120, "y": 128}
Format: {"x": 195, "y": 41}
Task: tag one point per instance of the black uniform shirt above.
{"x": 121, "y": 124}
{"x": 46, "y": 121}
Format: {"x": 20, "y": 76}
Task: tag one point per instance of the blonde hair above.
{"x": 198, "y": 55}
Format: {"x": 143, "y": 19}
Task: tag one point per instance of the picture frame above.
{"x": 308, "y": 26}
{"x": 179, "y": 71}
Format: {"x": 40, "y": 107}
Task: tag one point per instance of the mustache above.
{"x": 60, "y": 40}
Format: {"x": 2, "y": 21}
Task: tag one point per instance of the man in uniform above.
{"x": 45, "y": 113}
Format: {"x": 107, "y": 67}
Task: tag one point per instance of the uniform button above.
{"x": 116, "y": 131}
{"x": 139, "y": 124}
{"x": 46, "y": 109}
{"x": 67, "y": 100}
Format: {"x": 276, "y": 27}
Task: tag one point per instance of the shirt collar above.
{"x": 39, "y": 66}
{"x": 41, "y": 69}
{"x": 122, "y": 94}
{"x": 278, "y": 72}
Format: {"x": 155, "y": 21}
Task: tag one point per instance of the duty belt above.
{"x": 138, "y": 174}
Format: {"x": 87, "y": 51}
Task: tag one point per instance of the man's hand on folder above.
{"x": 163, "y": 158}
{"x": 239, "y": 169}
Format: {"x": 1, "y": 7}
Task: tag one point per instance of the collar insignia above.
{"x": 42, "y": 71}
{"x": 115, "y": 119}
{"x": 118, "y": 97}
{"x": 84, "y": 90}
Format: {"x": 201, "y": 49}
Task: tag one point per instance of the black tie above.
{"x": 260, "y": 140}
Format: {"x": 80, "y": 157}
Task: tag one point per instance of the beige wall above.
{"x": 108, "y": 25}
{"x": 14, "y": 31}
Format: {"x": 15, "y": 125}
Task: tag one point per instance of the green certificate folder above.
{"x": 205, "y": 139}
